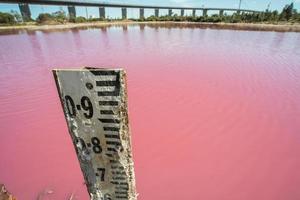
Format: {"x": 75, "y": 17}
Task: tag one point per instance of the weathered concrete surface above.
{"x": 4, "y": 194}
{"x": 95, "y": 107}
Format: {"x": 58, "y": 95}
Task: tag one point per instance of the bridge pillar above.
{"x": 221, "y": 12}
{"x": 72, "y": 11}
{"x": 170, "y": 12}
{"x": 156, "y": 12}
{"x": 102, "y": 12}
{"x": 238, "y": 12}
{"x": 194, "y": 13}
{"x": 124, "y": 13}
{"x": 182, "y": 12}
{"x": 142, "y": 16}
{"x": 204, "y": 12}
{"x": 25, "y": 11}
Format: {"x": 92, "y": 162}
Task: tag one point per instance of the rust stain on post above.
{"x": 95, "y": 106}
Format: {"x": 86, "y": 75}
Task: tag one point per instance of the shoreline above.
{"x": 229, "y": 26}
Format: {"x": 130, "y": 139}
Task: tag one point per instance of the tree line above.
{"x": 288, "y": 14}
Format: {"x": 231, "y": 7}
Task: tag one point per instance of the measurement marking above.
{"x": 116, "y": 121}
{"x": 112, "y": 136}
{"x": 125, "y": 192}
{"x": 108, "y": 103}
{"x": 118, "y": 172}
{"x": 108, "y": 93}
{"x": 117, "y": 84}
{"x": 119, "y": 183}
{"x": 106, "y": 112}
{"x": 119, "y": 178}
{"x": 113, "y": 143}
{"x": 89, "y": 144}
{"x": 78, "y": 107}
{"x": 117, "y": 166}
{"x": 111, "y": 149}
{"x": 113, "y": 161}
{"x": 115, "y": 182}
{"x": 106, "y": 83}
{"x": 103, "y": 73}
{"x": 122, "y": 188}
{"x": 119, "y": 192}
{"x": 109, "y": 154}
{"x": 121, "y": 197}
{"x": 111, "y": 128}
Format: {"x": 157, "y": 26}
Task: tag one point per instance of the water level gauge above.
{"x": 95, "y": 106}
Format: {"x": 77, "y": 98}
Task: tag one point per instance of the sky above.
{"x": 134, "y": 13}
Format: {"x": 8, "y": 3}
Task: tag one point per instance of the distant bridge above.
{"x": 25, "y": 10}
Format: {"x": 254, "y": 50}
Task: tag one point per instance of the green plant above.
{"x": 17, "y": 16}
{"x": 44, "y": 17}
{"x": 80, "y": 19}
{"x": 59, "y": 16}
{"x": 287, "y": 12}
{"x": 7, "y": 18}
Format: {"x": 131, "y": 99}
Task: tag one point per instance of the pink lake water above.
{"x": 214, "y": 114}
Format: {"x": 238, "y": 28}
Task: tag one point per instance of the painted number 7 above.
{"x": 102, "y": 173}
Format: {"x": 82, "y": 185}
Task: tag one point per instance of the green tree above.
{"x": 80, "y": 19}
{"x": 60, "y": 16}
{"x": 287, "y": 12}
{"x": 44, "y": 17}
{"x": 7, "y": 18}
{"x": 17, "y": 16}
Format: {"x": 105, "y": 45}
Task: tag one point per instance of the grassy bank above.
{"x": 154, "y": 24}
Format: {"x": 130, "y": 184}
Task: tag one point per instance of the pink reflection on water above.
{"x": 214, "y": 113}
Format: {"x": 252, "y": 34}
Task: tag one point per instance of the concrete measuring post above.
{"x": 95, "y": 106}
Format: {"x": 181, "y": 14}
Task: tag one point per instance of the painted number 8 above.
{"x": 96, "y": 145}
